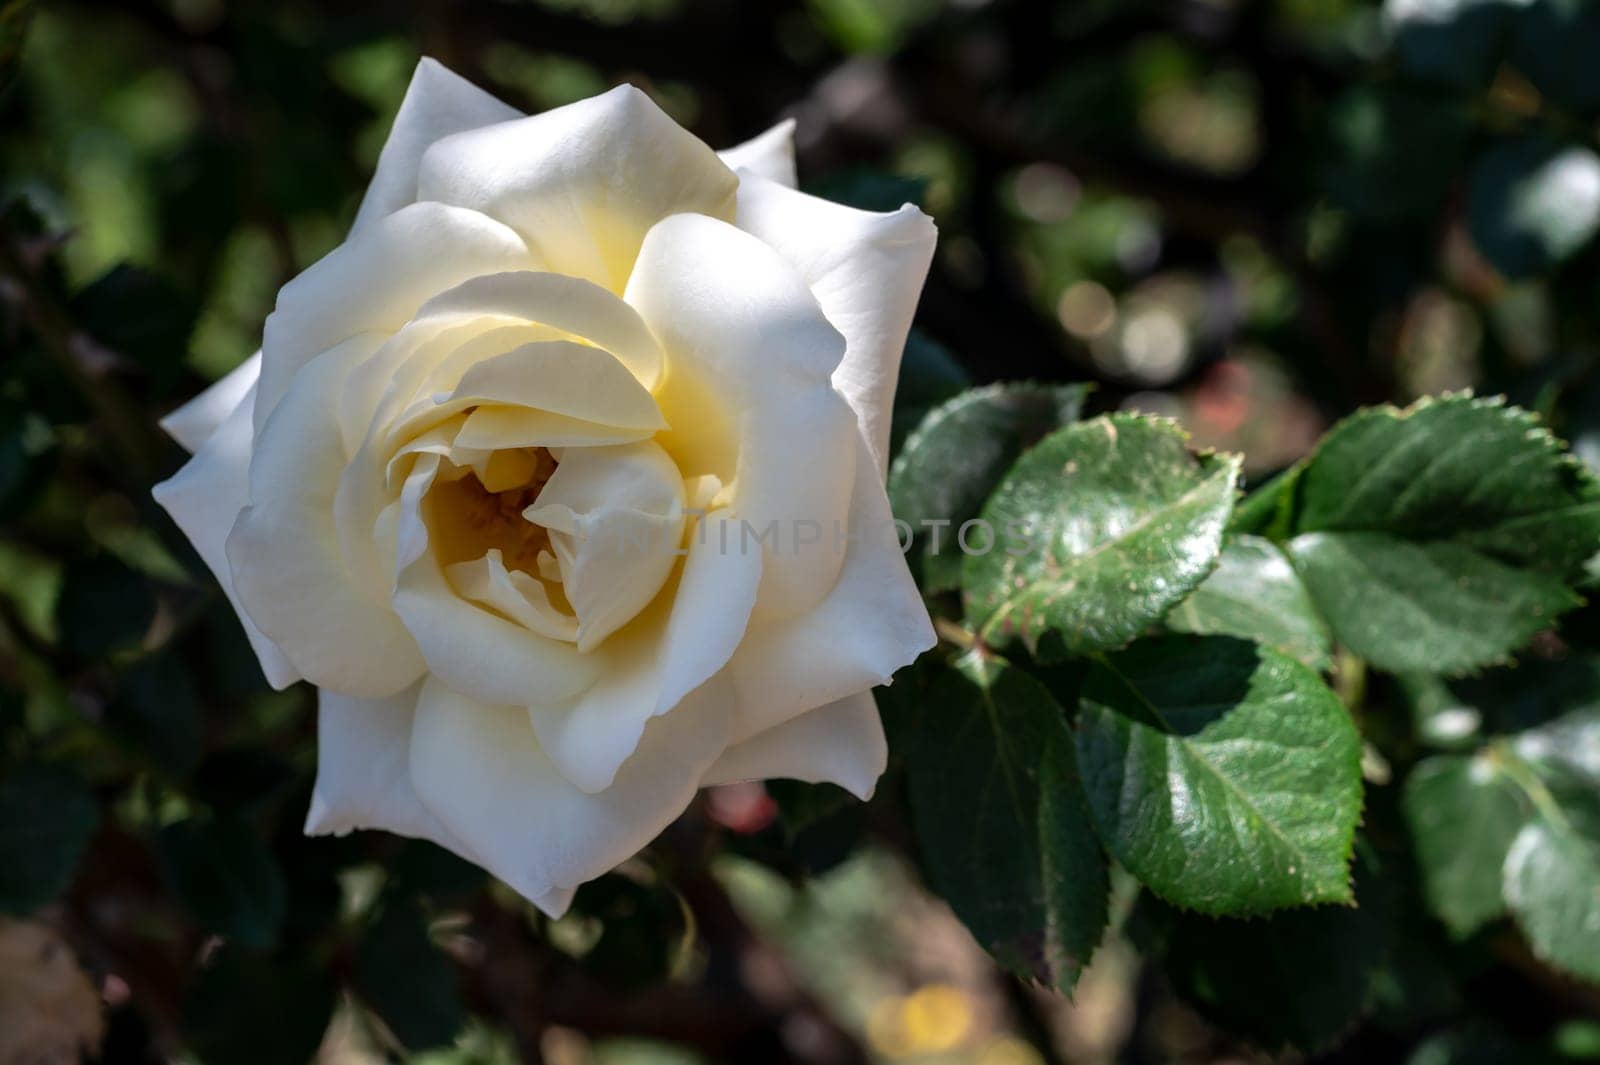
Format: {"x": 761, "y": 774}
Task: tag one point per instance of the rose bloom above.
{"x": 491, "y": 482}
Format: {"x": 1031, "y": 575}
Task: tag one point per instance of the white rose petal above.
{"x": 193, "y": 423}
{"x": 866, "y": 270}
{"x": 582, "y": 183}
{"x": 437, "y": 103}
{"x": 841, "y": 743}
{"x": 769, "y": 155}
{"x": 482, "y": 771}
{"x": 205, "y": 498}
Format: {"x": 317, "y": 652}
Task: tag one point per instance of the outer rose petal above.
{"x": 869, "y": 625}
{"x": 438, "y": 102}
{"x": 481, "y": 770}
{"x": 866, "y": 270}
{"x": 291, "y": 576}
{"x": 582, "y": 183}
{"x": 841, "y": 743}
{"x": 733, "y": 316}
{"x": 375, "y": 281}
{"x": 192, "y": 424}
{"x": 364, "y": 778}
{"x": 204, "y": 498}
{"x": 769, "y": 155}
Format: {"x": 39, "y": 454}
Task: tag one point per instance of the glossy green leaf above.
{"x": 1442, "y": 537}
{"x": 1224, "y": 775}
{"x": 223, "y": 873}
{"x": 1533, "y": 203}
{"x": 1464, "y": 813}
{"x": 1002, "y": 822}
{"x": 1256, "y": 595}
{"x": 46, "y": 821}
{"x": 1100, "y": 530}
{"x": 954, "y": 458}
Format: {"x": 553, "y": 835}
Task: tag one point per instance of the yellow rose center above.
{"x": 471, "y": 515}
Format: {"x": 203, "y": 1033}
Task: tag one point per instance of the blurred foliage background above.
{"x": 1252, "y": 215}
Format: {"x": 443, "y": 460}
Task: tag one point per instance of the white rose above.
{"x": 456, "y": 489}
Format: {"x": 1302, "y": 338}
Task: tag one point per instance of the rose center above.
{"x": 483, "y": 509}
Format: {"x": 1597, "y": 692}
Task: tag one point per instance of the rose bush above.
{"x": 490, "y": 482}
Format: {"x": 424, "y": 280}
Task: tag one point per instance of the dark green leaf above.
{"x": 1223, "y": 775}
{"x": 407, "y": 981}
{"x": 226, "y": 877}
{"x": 46, "y": 821}
{"x": 954, "y": 458}
{"x": 1300, "y": 977}
{"x": 1442, "y": 537}
{"x": 1002, "y": 823}
{"x": 1411, "y": 606}
{"x": 1533, "y": 203}
{"x": 1464, "y": 813}
{"x": 1254, "y": 594}
{"x": 1099, "y": 531}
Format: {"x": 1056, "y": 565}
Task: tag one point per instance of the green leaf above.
{"x": 1409, "y": 606}
{"x": 1442, "y": 537}
{"x": 1533, "y": 203}
{"x": 46, "y": 821}
{"x": 1299, "y": 977}
{"x": 953, "y": 459}
{"x": 1002, "y": 822}
{"x": 1225, "y": 776}
{"x": 407, "y": 980}
{"x": 1254, "y": 594}
{"x": 226, "y": 878}
{"x": 1464, "y": 813}
{"x": 1100, "y": 530}
{"x": 1552, "y": 886}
